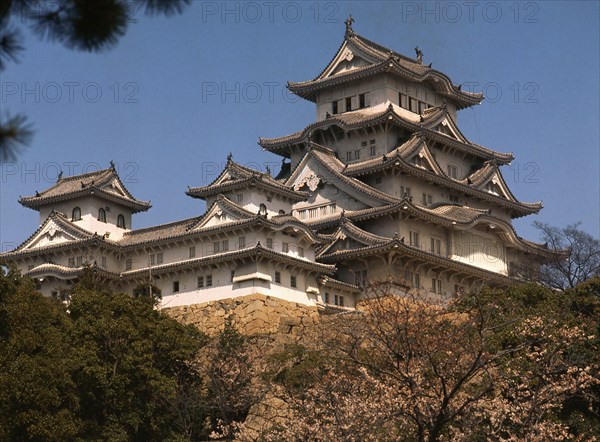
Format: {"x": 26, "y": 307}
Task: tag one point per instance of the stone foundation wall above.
{"x": 250, "y": 315}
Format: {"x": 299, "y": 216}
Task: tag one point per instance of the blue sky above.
{"x": 178, "y": 93}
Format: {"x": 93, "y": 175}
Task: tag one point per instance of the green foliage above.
{"x": 38, "y": 398}
{"x": 111, "y": 368}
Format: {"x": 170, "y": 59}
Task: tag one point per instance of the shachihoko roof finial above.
{"x": 112, "y": 164}
{"x": 230, "y": 157}
{"x": 419, "y": 55}
{"x": 348, "y": 24}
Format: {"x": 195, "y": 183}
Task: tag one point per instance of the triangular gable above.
{"x": 312, "y": 172}
{"x": 348, "y": 237}
{"x": 116, "y": 187}
{"x": 55, "y": 230}
{"x": 347, "y": 58}
{"x": 496, "y": 185}
{"x": 222, "y": 211}
{"x": 449, "y": 128}
{"x": 424, "y": 159}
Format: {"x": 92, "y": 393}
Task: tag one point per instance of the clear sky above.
{"x": 177, "y": 94}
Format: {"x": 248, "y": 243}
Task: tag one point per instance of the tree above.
{"x": 575, "y": 256}
{"x": 85, "y": 25}
{"x": 231, "y": 381}
{"x": 131, "y": 362}
{"x": 496, "y": 365}
{"x": 111, "y": 367}
{"x": 38, "y": 398}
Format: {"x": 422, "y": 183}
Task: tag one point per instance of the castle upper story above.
{"x": 364, "y": 74}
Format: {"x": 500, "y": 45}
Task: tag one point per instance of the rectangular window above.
{"x": 175, "y": 286}
{"x": 192, "y": 252}
{"x": 241, "y": 242}
{"x": 313, "y": 213}
{"x": 452, "y": 171}
{"x": 326, "y": 298}
{"x": 416, "y": 281}
{"x": 403, "y": 101}
{"x": 225, "y": 245}
{"x": 348, "y": 156}
{"x": 216, "y": 247}
{"x": 104, "y": 261}
{"x": 79, "y": 261}
{"x": 159, "y": 258}
{"x": 128, "y": 264}
{"x": 334, "y": 107}
{"x": 433, "y": 285}
{"x": 357, "y": 154}
{"x": 332, "y": 208}
{"x": 239, "y": 197}
{"x": 413, "y": 105}
{"x": 427, "y": 199}
{"x": 422, "y": 106}
{"x": 436, "y": 246}
{"x": 414, "y": 239}
{"x": 72, "y": 261}
{"x": 361, "y": 101}
{"x": 232, "y": 275}
{"x": 269, "y": 243}
{"x": 405, "y": 192}
{"x": 208, "y": 280}
{"x": 200, "y": 282}
{"x": 277, "y": 277}
{"x": 338, "y": 300}
{"x": 439, "y": 286}
{"x": 363, "y": 144}
{"x": 453, "y": 198}
{"x": 285, "y": 247}
{"x": 378, "y": 180}
{"x": 348, "y": 104}
{"x": 293, "y": 281}
{"x": 152, "y": 259}
{"x": 373, "y": 151}
{"x": 301, "y": 252}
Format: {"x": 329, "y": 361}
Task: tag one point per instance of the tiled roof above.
{"x": 186, "y": 227}
{"x": 86, "y": 184}
{"x": 336, "y": 168}
{"x": 378, "y": 114}
{"x": 236, "y": 176}
{"x": 252, "y": 252}
{"x": 382, "y": 59}
{"x": 400, "y": 247}
{"x": 400, "y": 156}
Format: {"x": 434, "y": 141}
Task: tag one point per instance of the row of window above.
{"x": 207, "y": 281}
{"x": 337, "y": 299}
{"x": 315, "y": 212}
{"x": 435, "y": 245}
{"x": 336, "y": 106}
{"x": 76, "y": 216}
{"x": 415, "y": 280}
{"x": 77, "y": 261}
{"x": 412, "y": 104}
{"x": 426, "y": 199}
{"x": 355, "y": 154}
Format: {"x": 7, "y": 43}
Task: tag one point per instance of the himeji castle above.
{"x": 383, "y": 184}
